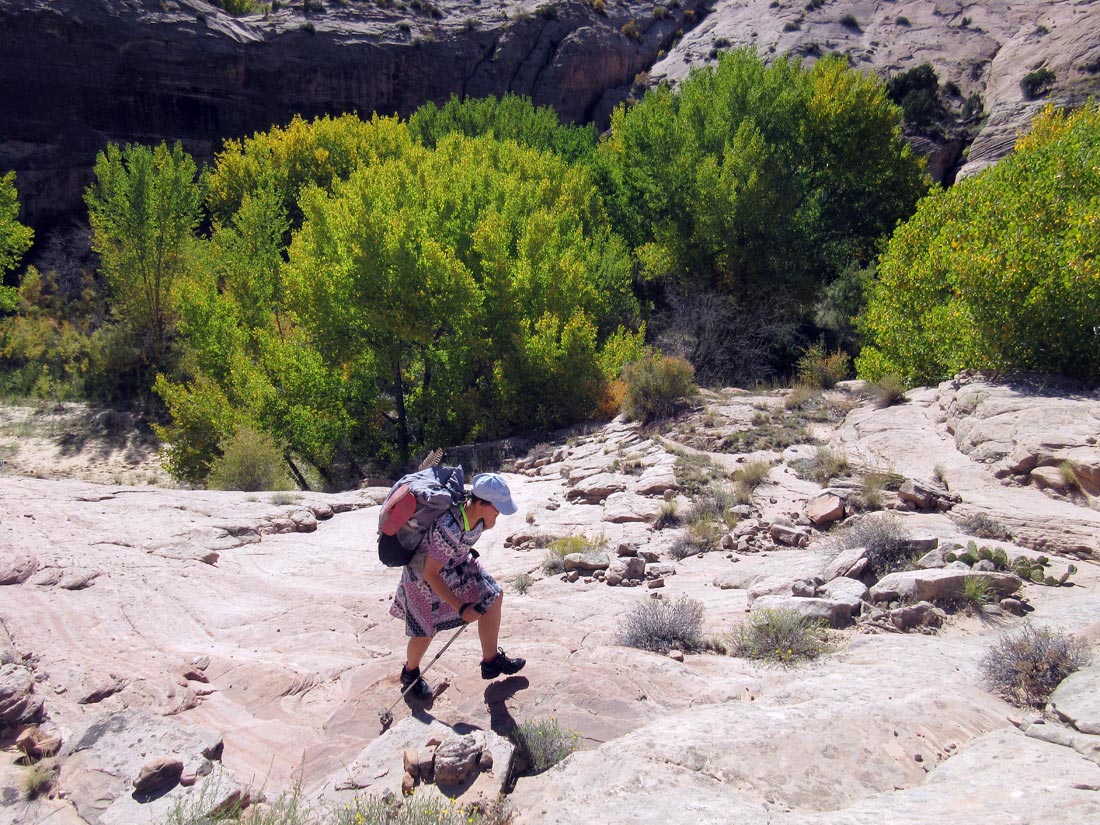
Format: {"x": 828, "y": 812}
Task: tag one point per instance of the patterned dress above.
{"x": 426, "y": 614}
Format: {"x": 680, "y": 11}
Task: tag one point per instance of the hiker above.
{"x": 444, "y": 585}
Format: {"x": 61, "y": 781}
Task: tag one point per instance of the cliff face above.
{"x": 78, "y": 73}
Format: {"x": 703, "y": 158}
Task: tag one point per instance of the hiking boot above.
{"x": 501, "y": 663}
{"x": 420, "y": 690}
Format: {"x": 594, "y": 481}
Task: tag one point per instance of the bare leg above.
{"x": 488, "y": 629}
{"x": 418, "y": 646}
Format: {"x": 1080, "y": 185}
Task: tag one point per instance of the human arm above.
{"x": 433, "y": 576}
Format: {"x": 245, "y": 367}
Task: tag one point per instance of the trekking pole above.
{"x": 386, "y": 716}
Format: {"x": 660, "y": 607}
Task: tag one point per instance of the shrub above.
{"x": 37, "y": 780}
{"x": 1036, "y": 83}
{"x": 752, "y": 473}
{"x": 660, "y": 625}
{"x": 695, "y": 473}
{"x": 976, "y": 592}
{"x": 889, "y": 391}
{"x": 523, "y": 583}
{"x": 850, "y": 21}
{"x": 820, "y": 368}
{"x": 1025, "y": 667}
{"x": 801, "y": 397}
{"x": 702, "y": 535}
{"x": 885, "y": 538}
{"x": 235, "y": 7}
{"x": 544, "y": 743}
{"x": 656, "y": 386}
{"x": 984, "y": 527}
{"x": 825, "y": 465}
{"x": 668, "y": 515}
{"x": 784, "y": 636}
{"x": 631, "y": 30}
{"x": 250, "y": 461}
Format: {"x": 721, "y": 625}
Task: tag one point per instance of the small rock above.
{"x": 158, "y": 774}
{"x": 1013, "y": 606}
{"x": 676, "y": 655}
{"x": 408, "y": 783}
{"x": 654, "y": 583}
{"x": 36, "y": 743}
{"x": 411, "y": 760}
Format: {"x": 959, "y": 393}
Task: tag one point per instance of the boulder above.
{"x": 850, "y": 592}
{"x": 938, "y": 585}
{"x": 825, "y": 509}
{"x": 594, "y": 489}
{"x": 1077, "y": 700}
{"x": 627, "y": 568}
{"x": 770, "y": 586}
{"x": 620, "y": 508}
{"x": 36, "y": 743}
{"x": 18, "y": 701}
{"x": 834, "y": 614}
{"x": 850, "y": 562}
{"x": 656, "y": 481}
{"x": 921, "y": 614}
{"x": 586, "y": 561}
{"x": 456, "y": 758}
{"x": 16, "y": 568}
{"x": 790, "y": 536}
{"x": 158, "y": 774}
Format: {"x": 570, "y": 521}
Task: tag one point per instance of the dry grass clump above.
{"x": 820, "y": 368}
{"x": 703, "y": 535}
{"x": 984, "y": 527}
{"x": 695, "y": 473}
{"x": 884, "y": 536}
{"x": 1025, "y": 667}
{"x": 782, "y": 636}
{"x": 543, "y": 743}
{"x": 888, "y": 391}
{"x": 37, "y": 780}
{"x": 668, "y": 515}
{"x": 825, "y": 465}
{"x": 663, "y": 624}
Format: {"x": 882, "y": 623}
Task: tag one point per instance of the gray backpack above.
{"x": 413, "y": 505}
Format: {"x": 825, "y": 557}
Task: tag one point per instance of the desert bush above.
{"x": 886, "y": 540}
{"x": 554, "y": 560}
{"x": 822, "y": 369}
{"x": 888, "y": 391}
{"x": 250, "y": 461}
{"x": 873, "y": 484}
{"x": 984, "y": 527}
{"x": 660, "y": 625}
{"x": 37, "y": 780}
{"x": 800, "y": 397}
{"x": 752, "y": 474}
{"x": 712, "y": 503}
{"x": 976, "y": 279}
{"x": 668, "y": 515}
{"x": 237, "y": 7}
{"x": 544, "y": 743}
{"x": 523, "y": 583}
{"x": 1036, "y": 83}
{"x": 656, "y": 386}
{"x": 1026, "y": 666}
{"x": 917, "y": 91}
{"x": 702, "y": 535}
{"x": 695, "y": 473}
{"x": 783, "y": 636}
{"x": 826, "y": 464}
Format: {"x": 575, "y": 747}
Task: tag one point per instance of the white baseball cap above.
{"x": 493, "y": 489}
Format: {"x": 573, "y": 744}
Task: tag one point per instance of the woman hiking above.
{"x": 444, "y": 585}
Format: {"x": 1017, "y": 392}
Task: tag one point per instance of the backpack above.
{"x": 413, "y": 505}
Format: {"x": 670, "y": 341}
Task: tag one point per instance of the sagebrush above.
{"x": 544, "y": 743}
{"x": 782, "y": 635}
{"x": 1026, "y": 666}
{"x": 663, "y": 624}
{"x": 887, "y": 541}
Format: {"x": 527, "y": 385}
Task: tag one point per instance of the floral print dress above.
{"x": 424, "y": 612}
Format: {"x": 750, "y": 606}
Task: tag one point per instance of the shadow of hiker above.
{"x": 496, "y": 695}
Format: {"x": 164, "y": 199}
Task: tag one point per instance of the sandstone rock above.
{"x": 1051, "y": 477}
{"x": 770, "y": 586}
{"x": 662, "y": 569}
{"x": 932, "y": 559}
{"x": 18, "y": 701}
{"x": 656, "y": 481}
{"x": 1013, "y": 606}
{"x": 921, "y": 614}
{"x": 649, "y": 556}
{"x": 849, "y": 592}
{"x": 628, "y": 568}
{"x": 586, "y": 561}
{"x": 304, "y": 521}
{"x": 596, "y": 488}
{"x": 408, "y": 783}
{"x": 825, "y": 509}
{"x": 410, "y": 758}
{"x": 676, "y": 655}
{"x": 916, "y": 493}
{"x": 938, "y": 585}
{"x": 620, "y": 508}
{"x": 626, "y": 550}
{"x": 36, "y": 743}
{"x": 655, "y": 583}
{"x": 78, "y": 578}
{"x": 157, "y": 774}
{"x": 1077, "y": 700}
{"x": 834, "y": 614}
{"x": 849, "y": 562}
{"x": 16, "y": 568}
{"x": 790, "y": 536}
{"x": 455, "y": 758}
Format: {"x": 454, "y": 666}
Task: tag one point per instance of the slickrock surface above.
{"x": 247, "y": 635}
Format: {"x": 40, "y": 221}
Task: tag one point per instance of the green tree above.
{"x": 144, "y": 208}
{"x": 510, "y": 117}
{"x": 15, "y": 239}
{"x": 758, "y": 183}
{"x": 1001, "y": 270}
